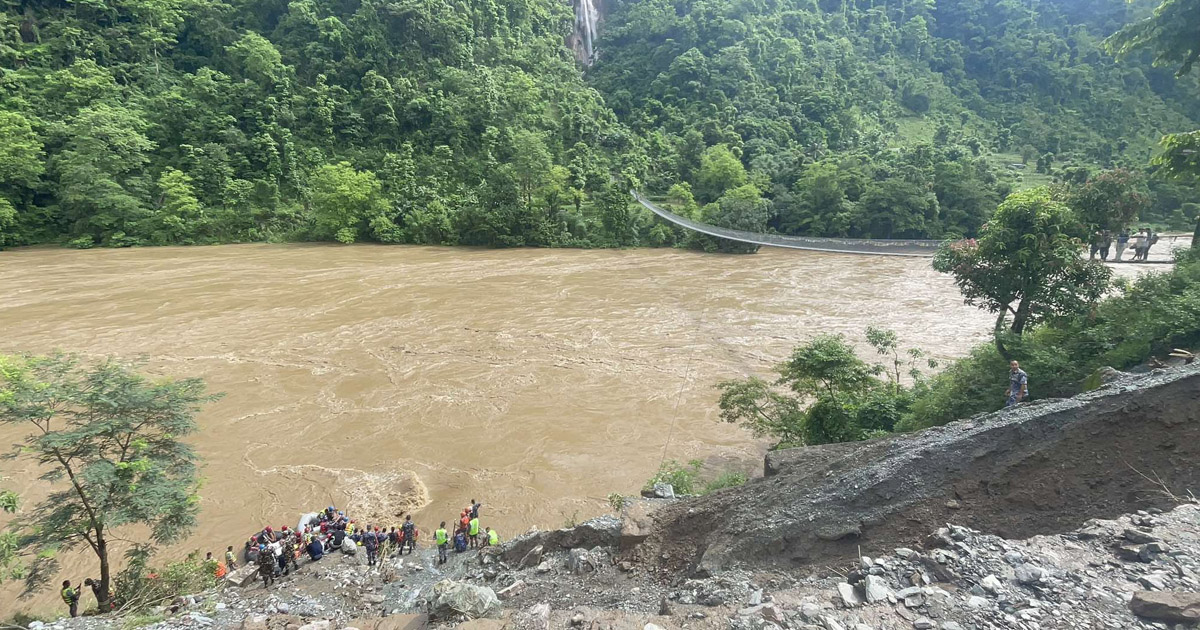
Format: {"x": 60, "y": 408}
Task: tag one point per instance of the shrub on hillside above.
{"x": 1147, "y": 317}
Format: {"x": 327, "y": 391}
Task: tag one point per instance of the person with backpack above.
{"x": 287, "y": 559}
{"x": 266, "y": 565}
{"x": 409, "y": 531}
{"x": 460, "y": 541}
{"x": 442, "y": 538}
{"x": 70, "y": 597}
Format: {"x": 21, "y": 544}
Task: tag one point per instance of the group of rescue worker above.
{"x": 275, "y": 552}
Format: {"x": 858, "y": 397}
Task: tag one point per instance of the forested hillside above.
{"x": 127, "y": 122}
{"x": 884, "y": 117}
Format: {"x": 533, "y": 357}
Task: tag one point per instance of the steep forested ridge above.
{"x": 431, "y": 121}
{"x": 885, "y": 118}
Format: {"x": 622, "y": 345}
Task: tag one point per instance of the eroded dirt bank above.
{"x": 1043, "y": 468}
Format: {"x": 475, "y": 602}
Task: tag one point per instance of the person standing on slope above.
{"x": 1018, "y": 384}
{"x": 409, "y": 531}
{"x": 70, "y": 597}
{"x": 371, "y": 543}
{"x": 473, "y": 532}
{"x": 266, "y": 565}
{"x": 442, "y": 537}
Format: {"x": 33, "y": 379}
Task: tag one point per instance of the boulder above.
{"x": 849, "y": 596}
{"x": 603, "y": 531}
{"x": 349, "y": 547}
{"x": 392, "y": 622}
{"x": 829, "y": 623}
{"x": 1138, "y": 536}
{"x": 876, "y": 589}
{"x": 1168, "y": 606}
{"x": 532, "y": 558}
{"x": 581, "y": 562}
{"x": 991, "y": 584}
{"x": 1029, "y": 574}
{"x": 636, "y": 524}
{"x": 320, "y": 624}
{"x": 452, "y": 598}
{"x": 512, "y": 590}
{"x": 242, "y": 576}
{"x": 537, "y": 618}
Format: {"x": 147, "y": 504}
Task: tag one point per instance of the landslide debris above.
{"x": 1039, "y": 468}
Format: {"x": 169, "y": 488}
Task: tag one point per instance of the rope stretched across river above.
{"x": 870, "y": 246}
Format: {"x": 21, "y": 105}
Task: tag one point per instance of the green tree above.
{"x": 8, "y": 223}
{"x": 1026, "y": 263}
{"x": 257, "y": 58}
{"x": 720, "y": 170}
{"x": 620, "y": 223}
{"x": 1172, "y": 32}
{"x": 741, "y": 208}
{"x": 898, "y": 208}
{"x": 826, "y": 365}
{"x": 1111, "y": 200}
{"x": 834, "y": 395}
{"x": 531, "y": 162}
{"x": 756, "y": 404}
{"x": 344, "y": 200}
{"x": 101, "y": 180}
{"x": 179, "y": 212}
{"x": 21, "y": 157}
{"x": 113, "y": 439}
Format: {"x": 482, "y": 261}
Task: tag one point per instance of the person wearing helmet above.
{"x": 287, "y": 556}
{"x": 266, "y": 565}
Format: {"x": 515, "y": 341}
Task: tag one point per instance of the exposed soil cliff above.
{"x": 1041, "y": 468}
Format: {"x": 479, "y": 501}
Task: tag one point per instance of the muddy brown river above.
{"x": 394, "y": 379}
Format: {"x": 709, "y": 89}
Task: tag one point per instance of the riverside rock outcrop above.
{"x": 1039, "y": 468}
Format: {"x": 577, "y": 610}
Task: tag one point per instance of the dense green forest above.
{"x": 126, "y": 122}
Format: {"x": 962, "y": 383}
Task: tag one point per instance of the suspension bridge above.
{"x": 869, "y": 246}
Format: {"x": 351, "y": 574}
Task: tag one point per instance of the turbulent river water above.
{"x": 393, "y": 379}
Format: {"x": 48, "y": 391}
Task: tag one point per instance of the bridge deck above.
{"x": 869, "y": 246}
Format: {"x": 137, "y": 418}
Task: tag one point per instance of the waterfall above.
{"x": 586, "y": 16}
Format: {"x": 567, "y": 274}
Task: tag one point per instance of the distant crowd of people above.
{"x": 276, "y": 552}
{"x": 1140, "y": 242}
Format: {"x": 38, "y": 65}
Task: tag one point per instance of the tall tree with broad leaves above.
{"x": 1026, "y": 263}
{"x": 110, "y": 439}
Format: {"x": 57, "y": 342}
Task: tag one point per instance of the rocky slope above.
{"x": 1039, "y": 468}
{"x": 989, "y": 523}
